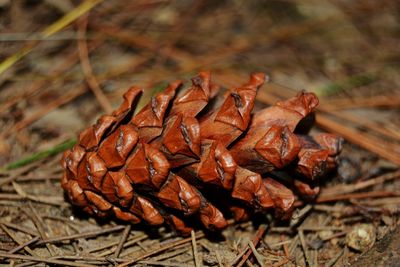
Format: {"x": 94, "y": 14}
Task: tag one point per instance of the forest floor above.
{"x": 64, "y": 63}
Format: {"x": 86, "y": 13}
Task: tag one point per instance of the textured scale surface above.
{"x": 183, "y": 156}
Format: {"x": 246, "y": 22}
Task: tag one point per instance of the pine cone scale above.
{"x": 171, "y": 161}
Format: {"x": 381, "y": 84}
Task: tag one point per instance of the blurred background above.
{"x": 65, "y": 62}
{"x": 62, "y": 63}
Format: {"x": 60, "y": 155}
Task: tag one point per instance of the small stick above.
{"x": 27, "y": 263}
{"x": 50, "y": 261}
{"x": 45, "y": 109}
{"x": 382, "y": 201}
{"x": 315, "y": 257}
{"x": 298, "y": 215}
{"x": 41, "y": 199}
{"x": 365, "y": 123}
{"x": 67, "y": 62}
{"x": 320, "y": 228}
{"x": 256, "y": 254}
{"x": 168, "y": 246}
{"x": 135, "y": 240}
{"x": 304, "y": 246}
{"x": 16, "y": 240}
{"x": 170, "y": 254}
{"x": 281, "y": 243}
{"x": 40, "y": 226}
{"x": 334, "y": 259}
{"x": 34, "y": 177}
{"x": 23, "y": 245}
{"x": 111, "y": 244}
{"x": 293, "y": 245}
{"x": 194, "y": 246}
{"x": 66, "y": 220}
{"x": 280, "y": 263}
{"x": 89, "y": 258}
{"x": 23, "y": 229}
{"x": 211, "y": 248}
{"x": 260, "y": 232}
{"x": 334, "y": 235}
{"x": 218, "y": 256}
{"x": 87, "y": 68}
{"x": 361, "y": 195}
{"x": 248, "y": 262}
{"x": 360, "y": 185}
{"x": 17, "y": 173}
{"x": 71, "y": 224}
{"x": 239, "y": 256}
{"x": 122, "y": 241}
{"x": 163, "y": 263}
{"x": 362, "y": 102}
{"x": 285, "y": 246}
{"x": 368, "y": 142}
{"x": 206, "y": 246}
{"x": 82, "y": 235}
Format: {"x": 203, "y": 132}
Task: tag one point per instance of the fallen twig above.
{"x": 124, "y": 236}
{"x": 260, "y": 232}
{"x": 50, "y": 261}
{"x": 194, "y": 247}
{"x": 156, "y": 251}
{"x": 82, "y": 235}
{"x": 87, "y": 68}
{"x": 347, "y": 188}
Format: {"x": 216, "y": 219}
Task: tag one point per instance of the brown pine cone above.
{"x": 184, "y": 156}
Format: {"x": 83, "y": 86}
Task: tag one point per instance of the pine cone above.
{"x": 198, "y": 154}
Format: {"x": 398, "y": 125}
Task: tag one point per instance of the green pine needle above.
{"x": 40, "y": 155}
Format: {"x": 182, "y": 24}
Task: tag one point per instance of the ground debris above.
{"x": 361, "y": 237}
{"x": 345, "y": 51}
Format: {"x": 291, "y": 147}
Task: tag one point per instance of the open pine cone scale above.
{"x": 173, "y": 160}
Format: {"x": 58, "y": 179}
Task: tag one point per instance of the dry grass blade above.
{"x": 50, "y": 30}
